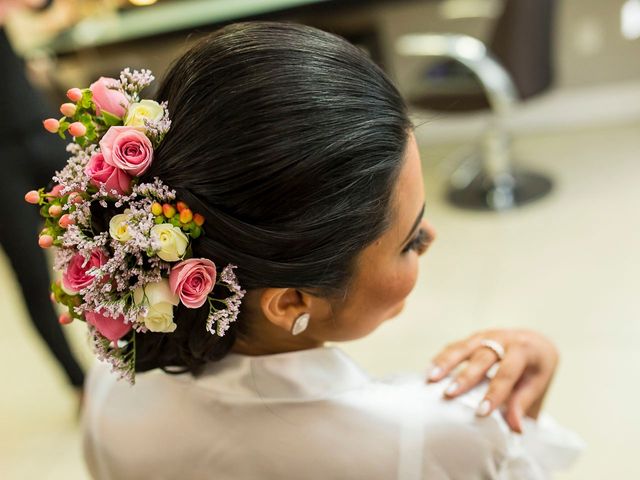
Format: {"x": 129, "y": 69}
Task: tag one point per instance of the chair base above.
{"x": 512, "y": 190}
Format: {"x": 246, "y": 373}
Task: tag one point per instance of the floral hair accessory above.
{"x": 126, "y": 277}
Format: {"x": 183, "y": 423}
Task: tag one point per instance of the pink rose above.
{"x": 192, "y": 280}
{"x": 128, "y": 149}
{"x": 112, "y": 328}
{"x": 101, "y": 173}
{"x": 108, "y": 99}
{"x": 75, "y": 278}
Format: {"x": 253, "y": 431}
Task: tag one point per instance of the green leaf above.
{"x": 111, "y": 120}
{"x": 91, "y": 132}
{"x": 86, "y": 119}
{"x": 86, "y": 101}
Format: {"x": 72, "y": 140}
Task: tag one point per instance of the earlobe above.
{"x": 282, "y": 306}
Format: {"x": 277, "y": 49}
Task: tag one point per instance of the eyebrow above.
{"x": 415, "y": 224}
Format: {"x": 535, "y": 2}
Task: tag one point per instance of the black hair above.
{"x": 289, "y": 141}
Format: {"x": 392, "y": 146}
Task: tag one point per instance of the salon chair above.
{"x": 488, "y": 179}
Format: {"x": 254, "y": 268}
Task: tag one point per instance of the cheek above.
{"x": 397, "y": 288}
{"x": 380, "y": 296}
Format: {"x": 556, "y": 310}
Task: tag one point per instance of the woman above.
{"x": 299, "y": 153}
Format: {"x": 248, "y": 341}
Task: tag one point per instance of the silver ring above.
{"x": 497, "y": 348}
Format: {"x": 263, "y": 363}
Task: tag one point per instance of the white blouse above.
{"x": 311, "y": 414}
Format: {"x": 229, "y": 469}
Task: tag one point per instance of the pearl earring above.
{"x": 300, "y": 325}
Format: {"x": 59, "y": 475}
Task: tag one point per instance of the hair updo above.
{"x": 289, "y": 141}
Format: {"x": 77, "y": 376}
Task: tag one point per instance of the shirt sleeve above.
{"x": 444, "y": 439}
{"x": 472, "y": 447}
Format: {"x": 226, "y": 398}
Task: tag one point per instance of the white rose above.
{"x": 173, "y": 242}
{"x": 160, "y": 301}
{"x": 119, "y": 228}
{"x": 144, "y": 109}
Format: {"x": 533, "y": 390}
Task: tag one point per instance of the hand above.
{"x": 521, "y": 381}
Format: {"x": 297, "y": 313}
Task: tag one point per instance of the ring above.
{"x": 497, "y": 348}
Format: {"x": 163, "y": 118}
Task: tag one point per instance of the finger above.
{"x": 511, "y": 369}
{"x": 528, "y": 391}
{"x": 479, "y": 363}
{"x": 449, "y": 358}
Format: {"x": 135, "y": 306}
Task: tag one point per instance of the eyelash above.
{"x": 419, "y": 243}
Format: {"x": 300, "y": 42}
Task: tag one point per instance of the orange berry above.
{"x": 32, "y": 197}
{"x": 198, "y": 219}
{"x": 77, "y": 129}
{"x": 181, "y": 206}
{"x": 65, "y": 318}
{"x": 65, "y": 221}
{"x": 156, "y": 209}
{"x": 55, "y": 191}
{"x": 168, "y": 210}
{"x": 186, "y": 216}
{"x": 55, "y": 210}
{"x": 68, "y": 109}
{"x": 75, "y": 197}
{"x": 45, "y": 241}
{"x": 51, "y": 125}
{"x": 74, "y": 94}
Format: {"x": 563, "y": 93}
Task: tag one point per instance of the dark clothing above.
{"x": 29, "y": 156}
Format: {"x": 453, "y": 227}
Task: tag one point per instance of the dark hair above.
{"x": 288, "y": 140}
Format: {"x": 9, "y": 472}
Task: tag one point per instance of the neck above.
{"x": 264, "y": 338}
{"x": 267, "y": 347}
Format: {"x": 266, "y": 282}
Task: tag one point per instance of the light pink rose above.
{"x": 192, "y": 280}
{"x": 128, "y": 149}
{"x": 112, "y": 328}
{"x": 101, "y": 173}
{"x": 108, "y": 99}
{"x": 75, "y": 278}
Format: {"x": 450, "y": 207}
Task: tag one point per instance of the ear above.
{"x": 281, "y": 306}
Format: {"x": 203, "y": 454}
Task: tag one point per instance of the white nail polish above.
{"x": 451, "y": 389}
{"x": 435, "y": 372}
{"x": 483, "y": 408}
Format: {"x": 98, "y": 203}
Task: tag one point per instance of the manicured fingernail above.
{"x": 451, "y": 389}
{"x": 483, "y": 408}
{"x": 435, "y": 373}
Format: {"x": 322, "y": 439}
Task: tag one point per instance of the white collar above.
{"x": 302, "y": 375}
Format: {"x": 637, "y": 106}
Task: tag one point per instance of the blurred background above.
{"x": 529, "y": 129}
